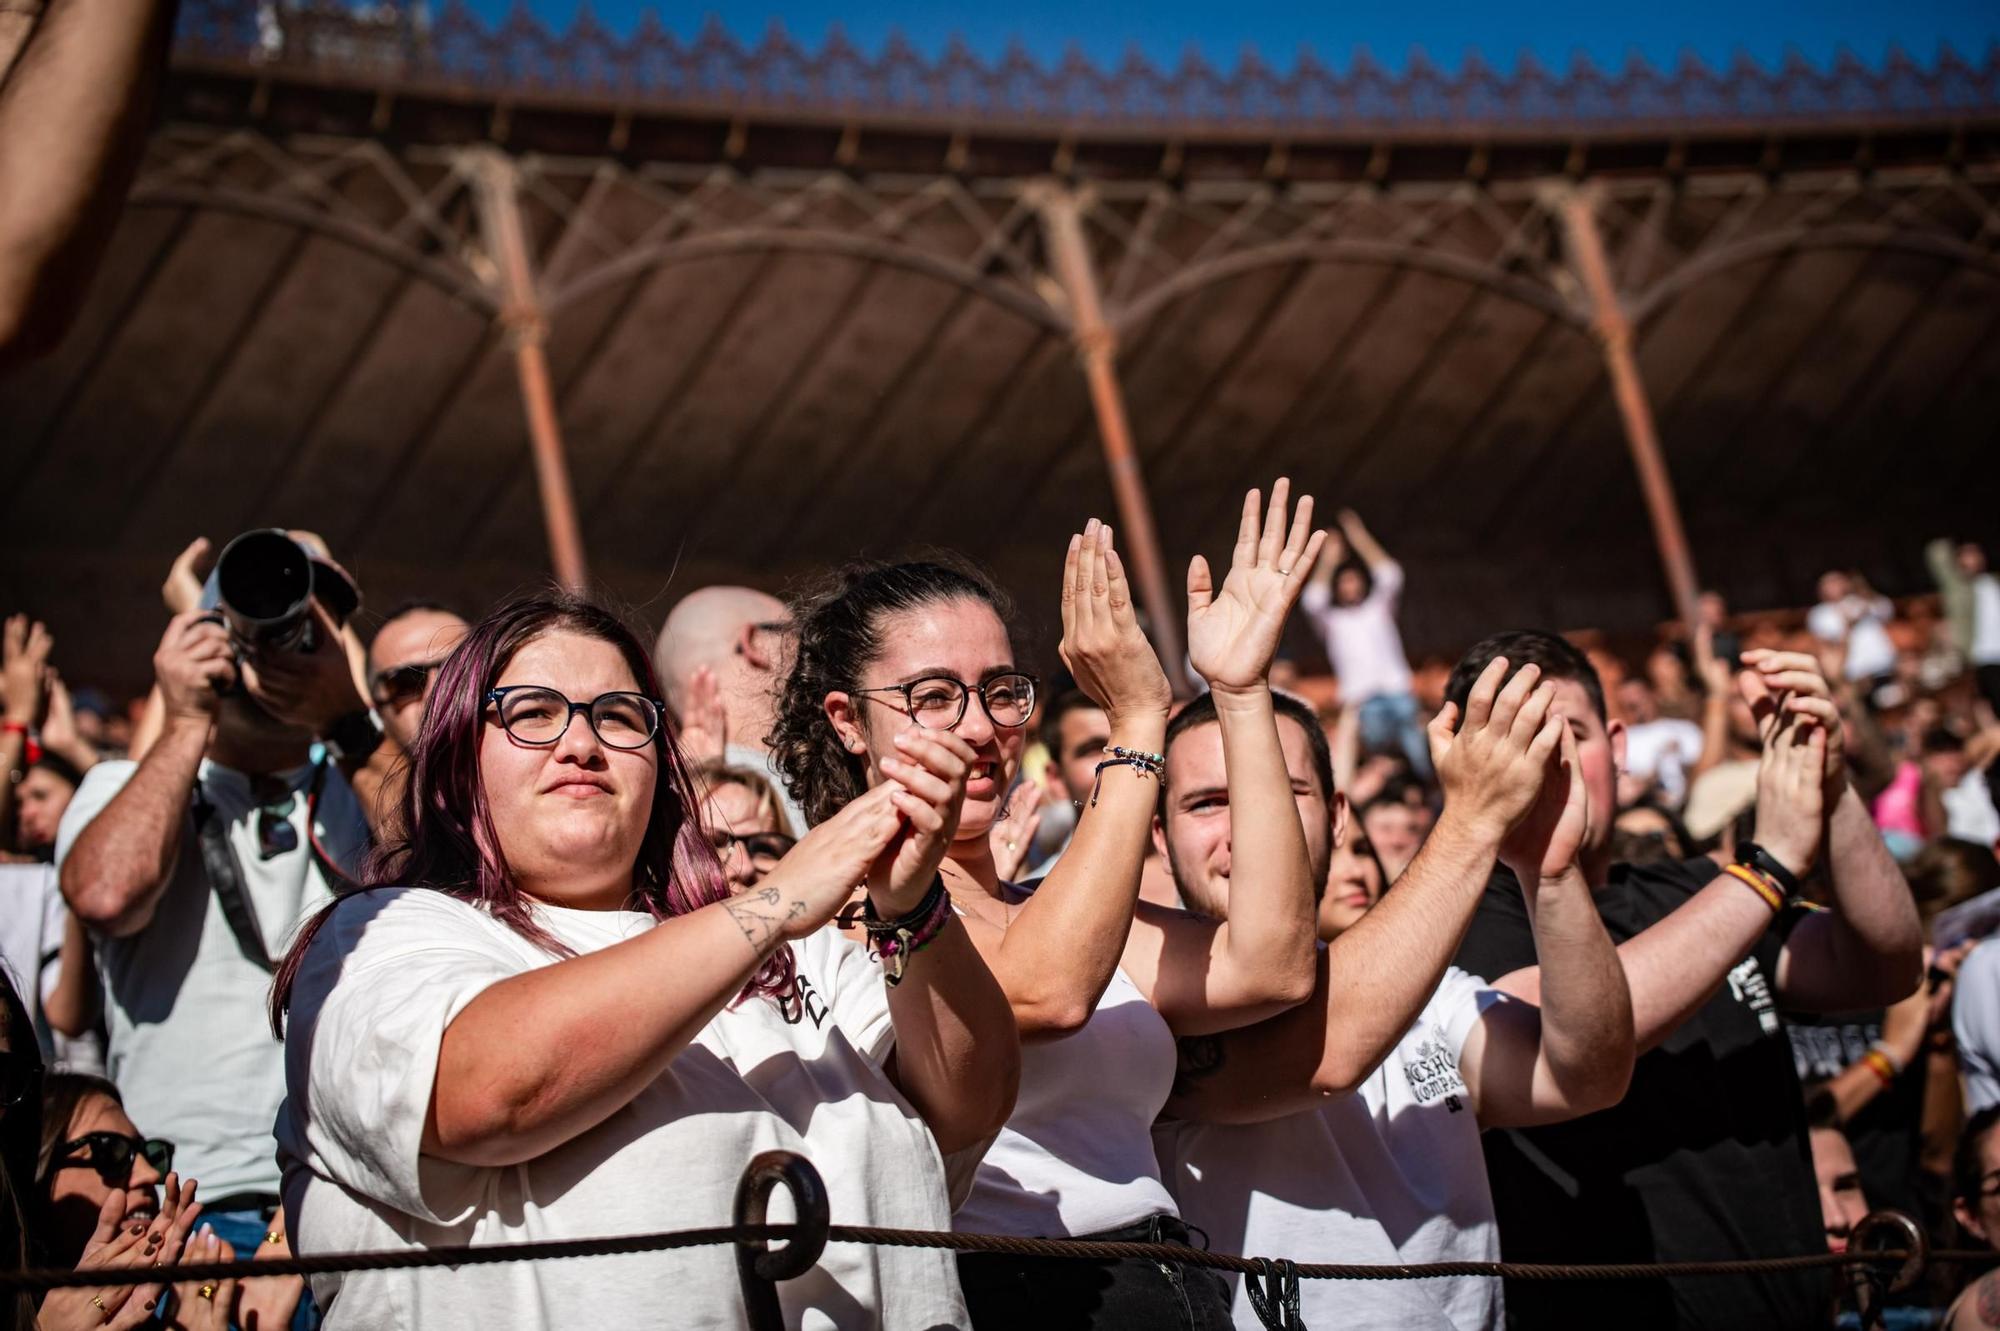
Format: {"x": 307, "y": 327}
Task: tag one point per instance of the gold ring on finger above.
{"x": 206, "y": 1292}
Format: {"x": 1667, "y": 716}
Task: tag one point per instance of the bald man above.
{"x": 742, "y": 636}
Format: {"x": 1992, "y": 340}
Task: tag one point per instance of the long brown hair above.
{"x": 449, "y": 843}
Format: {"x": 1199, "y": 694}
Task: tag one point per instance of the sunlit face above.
{"x": 1841, "y": 1202}
{"x": 39, "y": 802}
{"x": 1354, "y": 883}
{"x": 77, "y": 1192}
{"x": 731, "y": 811}
{"x": 1637, "y": 703}
{"x": 570, "y": 815}
{"x": 419, "y": 638}
{"x": 1195, "y": 835}
{"x": 964, "y": 640}
{"x": 1834, "y": 586}
{"x": 1981, "y": 1214}
{"x": 1600, "y": 752}
{"x": 1083, "y": 733}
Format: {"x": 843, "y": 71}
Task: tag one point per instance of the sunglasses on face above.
{"x": 399, "y": 686}
{"x": 111, "y": 1154}
{"x": 765, "y": 849}
{"x": 20, "y": 1076}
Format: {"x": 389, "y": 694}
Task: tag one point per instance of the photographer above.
{"x": 192, "y": 868}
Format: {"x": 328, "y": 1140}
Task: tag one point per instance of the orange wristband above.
{"x": 1766, "y": 890}
{"x": 1879, "y": 1064}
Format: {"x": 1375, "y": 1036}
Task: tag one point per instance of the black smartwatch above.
{"x": 353, "y": 737}
{"x": 1753, "y": 856}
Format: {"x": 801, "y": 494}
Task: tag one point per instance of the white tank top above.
{"x": 1077, "y": 1155}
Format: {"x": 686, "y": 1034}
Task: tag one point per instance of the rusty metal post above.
{"x": 495, "y": 188}
{"x": 1614, "y": 335}
{"x": 1097, "y": 350}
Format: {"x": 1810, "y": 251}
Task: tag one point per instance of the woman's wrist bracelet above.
{"x": 894, "y": 942}
{"x": 1881, "y": 1063}
{"x": 1145, "y": 764}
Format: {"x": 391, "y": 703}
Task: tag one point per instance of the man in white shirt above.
{"x": 1353, "y": 605}
{"x": 1972, "y": 608}
{"x": 1851, "y": 615}
{"x": 192, "y": 870}
{"x": 1394, "y": 1172}
{"x": 1975, "y": 1023}
{"x": 1659, "y": 750}
{"x": 722, "y": 655}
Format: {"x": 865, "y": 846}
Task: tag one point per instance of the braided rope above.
{"x": 1077, "y": 1249}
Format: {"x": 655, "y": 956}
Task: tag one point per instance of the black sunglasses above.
{"x": 398, "y": 686}
{"x": 111, "y": 1154}
{"x": 20, "y": 1076}
{"x": 765, "y": 849}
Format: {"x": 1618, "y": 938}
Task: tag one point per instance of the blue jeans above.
{"x": 1389, "y": 720}
{"x": 244, "y": 1231}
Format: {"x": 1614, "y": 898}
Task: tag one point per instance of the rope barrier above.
{"x": 760, "y": 1268}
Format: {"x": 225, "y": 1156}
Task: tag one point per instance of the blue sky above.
{"x": 1445, "y": 29}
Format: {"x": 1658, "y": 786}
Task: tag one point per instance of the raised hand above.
{"x": 312, "y": 689}
{"x": 1791, "y": 787}
{"x": 182, "y": 589}
{"x": 208, "y": 1305}
{"x": 1233, "y": 634}
{"x": 927, "y": 786}
{"x": 1492, "y": 764}
{"x": 1545, "y": 843}
{"x": 59, "y": 733}
{"x": 1102, "y": 643}
{"x": 704, "y": 728}
{"x": 1786, "y": 685}
{"x": 817, "y": 876}
{"x": 1013, "y": 834}
{"x": 24, "y": 653}
{"x": 194, "y": 664}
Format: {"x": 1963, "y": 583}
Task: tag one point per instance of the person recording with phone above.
{"x": 192, "y": 867}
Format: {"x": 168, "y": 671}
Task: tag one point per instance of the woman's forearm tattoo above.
{"x": 762, "y": 915}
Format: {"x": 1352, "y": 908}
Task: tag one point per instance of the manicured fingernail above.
{"x": 206, "y": 1229}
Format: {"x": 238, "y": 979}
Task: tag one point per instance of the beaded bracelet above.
{"x": 894, "y": 942}
{"x": 1759, "y": 883}
{"x": 1145, "y": 764}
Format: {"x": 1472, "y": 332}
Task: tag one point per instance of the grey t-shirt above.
{"x": 190, "y": 1042}
{"x": 1975, "y": 1020}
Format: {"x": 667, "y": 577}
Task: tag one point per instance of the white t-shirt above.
{"x": 1077, "y": 1157}
{"x": 1663, "y": 749}
{"x": 1362, "y": 641}
{"x": 33, "y": 917}
{"x": 1392, "y": 1174}
{"x": 187, "y": 1013}
{"x": 393, "y": 968}
{"x": 1985, "y": 620}
{"x": 1857, "y": 621}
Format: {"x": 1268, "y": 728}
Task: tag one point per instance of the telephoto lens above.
{"x": 264, "y": 583}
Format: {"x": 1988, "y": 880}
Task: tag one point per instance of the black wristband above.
{"x": 1751, "y": 855}
{"x": 354, "y": 737}
{"x": 875, "y": 924}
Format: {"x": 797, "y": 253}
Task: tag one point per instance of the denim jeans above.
{"x": 1389, "y": 720}
{"x": 1059, "y": 1294}
{"x": 244, "y": 1231}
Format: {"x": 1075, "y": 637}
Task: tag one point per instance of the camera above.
{"x": 264, "y": 584}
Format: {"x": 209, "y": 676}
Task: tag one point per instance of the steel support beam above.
{"x": 496, "y": 190}
{"x": 1097, "y": 350}
{"x": 1613, "y": 331}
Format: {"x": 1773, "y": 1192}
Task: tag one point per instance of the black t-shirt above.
{"x": 1706, "y": 1158}
{"x": 1887, "y": 1134}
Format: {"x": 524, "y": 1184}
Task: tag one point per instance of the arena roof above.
{"x": 798, "y": 307}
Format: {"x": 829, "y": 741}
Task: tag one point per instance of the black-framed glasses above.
{"x": 20, "y": 1076}
{"x": 536, "y": 714}
{"x": 937, "y": 702}
{"x": 111, "y": 1154}
{"x": 765, "y": 849}
{"x": 399, "y": 686}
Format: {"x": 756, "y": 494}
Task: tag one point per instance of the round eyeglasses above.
{"x": 534, "y": 714}
{"x": 937, "y": 702}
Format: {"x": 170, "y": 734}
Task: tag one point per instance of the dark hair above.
{"x": 1201, "y": 712}
{"x": 1966, "y": 1175}
{"x": 1355, "y": 566}
{"x": 839, "y": 634}
{"x": 20, "y": 1137}
{"x": 448, "y": 842}
{"x": 62, "y": 1092}
{"x": 1940, "y": 739}
{"x": 1069, "y": 700}
{"x": 1949, "y": 871}
{"x": 1822, "y": 1110}
{"x": 1558, "y": 658}
{"x": 57, "y": 766}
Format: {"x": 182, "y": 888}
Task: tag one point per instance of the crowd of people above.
{"x": 511, "y": 925}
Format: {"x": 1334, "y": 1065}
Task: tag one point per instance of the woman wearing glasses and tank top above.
{"x": 1100, "y": 983}
{"x": 548, "y": 1018}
